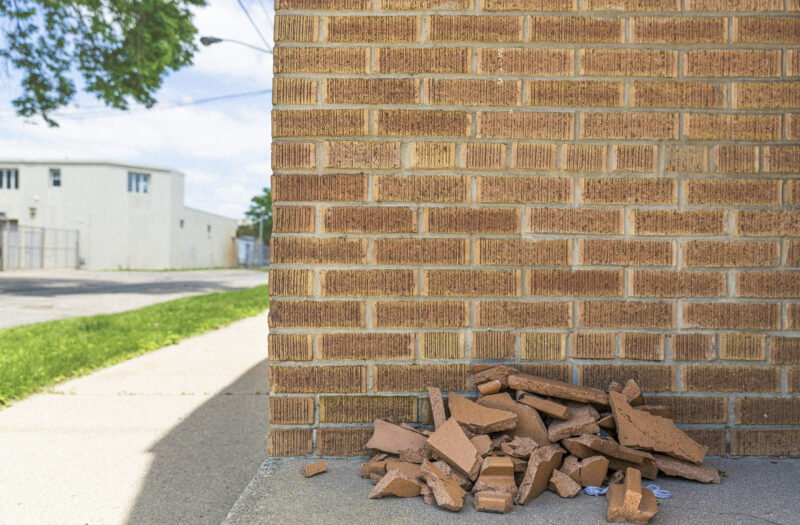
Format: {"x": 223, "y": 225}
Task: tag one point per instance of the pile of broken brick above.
{"x": 526, "y": 434}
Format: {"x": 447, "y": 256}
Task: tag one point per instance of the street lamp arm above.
{"x": 211, "y": 40}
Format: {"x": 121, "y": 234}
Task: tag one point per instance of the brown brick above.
{"x": 785, "y": 350}
{"x": 677, "y": 94}
{"x": 793, "y": 378}
{"x": 467, "y": 92}
{"x": 318, "y": 251}
{"x": 781, "y": 159}
{"x": 297, "y": 283}
{"x": 766, "y": 29}
{"x": 366, "y": 409}
{"x": 629, "y": 63}
{"x": 729, "y": 378}
{"x": 460, "y": 28}
{"x": 742, "y": 347}
{"x": 792, "y": 120}
{"x": 533, "y": 156}
{"x": 418, "y": 123}
{"x": 423, "y": 5}
{"x": 416, "y": 378}
{"x": 682, "y": 30}
{"x": 626, "y": 314}
{"x": 792, "y": 253}
{"x": 347, "y": 219}
{"x": 295, "y": 28}
{"x": 338, "y": 5}
{"x": 631, "y": 5}
{"x": 583, "y": 157}
{"x": 652, "y": 378}
{"x": 574, "y": 220}
{"x": 433, "y": 155}
{"x": 493, "y": 345}
{"x": 649, "y": 283}
{"x": 343, "y": 441}
{"x": 524, "y": 314}
{"x": 766, "y": 95}
{"x": 768, "y": 223}
{"x": 765, "y": 442}
{"x": 289, "y": 347}
{"x": 366, "y": 346}
{"x": 549, "y": 93}
{"x": 321, "y": 60}
{"x": 686, "y": 158}
{"x": 290, "y": 155}
{"x": 673, "y": 222}
{"x": 593, "y": 283}
{"x": 645, "y": 347}
{"x": 371, "y": 91}
{"x": 313, "y": 379}
{"x": 690, "y": 409}
{"x": 424, "y": 60}
{"x": 734, "y": 192}
{"x": 736, "y": 159}
{"x": 627, "y": 252}
{"x": 354, "y": 283}
{"x": 523, "y": 252}
{"x": 793, "y": 57}
{"x": 525, "y": 125}
{"x": 291, "y": 410}
{"x": 483, "y": 155}
{"x": 528, "y": 5}
{"x": 362, "y": 155}
{"x": 559, "y": 372}
{"x": 472, "y": 283}
{"x": 792, "y": 316}
{"x": 705, "y": 126}
{"x": 293, "y": 219}
{"x": 513, "y": 61}
{"x": 426, "y": 188}
{"x": 524, "y": 189}
{"x": 593, "y": 345}
{"x": 421, "y": 251}
{"x": 543, "y": 347}
{"x": 441, "y": 345}
{"x": 629, "y": 126}
{"x": 319, "y": 122}
{"x": 713, "y": 438}
{"x": 383, "y": 29}
{"x": 290, "y": 442}
{"x": 793, "y": 192}
{"x": 732, "y": 315}
{"x": 573, "y": 29}
{"x": 301, "y": 91}
{"x": 636, "y": 158}
{"x": 734, "y": 5}
{"x": 732, "y": 63}
{"x": 730, "y": 254}
{"x": 420, "y": 313}
{"x": 693, "y": 347}
{"x": 629, "y": 191}
{"x": 768, "y": 284}
{"x": 328, "y": 187}
{"x": 316, "y": 314}
{"x": 471, "y": 220}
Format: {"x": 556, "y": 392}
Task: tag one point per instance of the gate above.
{"x": 27, "y": 247}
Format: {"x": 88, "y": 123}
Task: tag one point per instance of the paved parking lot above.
{"x": 33, "y": 296}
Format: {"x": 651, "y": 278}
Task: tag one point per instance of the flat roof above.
{"x": 111, "y": 163}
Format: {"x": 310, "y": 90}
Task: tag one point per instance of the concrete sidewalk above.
{"x": 172, "y": 436}
{"x": 754, "y": 491}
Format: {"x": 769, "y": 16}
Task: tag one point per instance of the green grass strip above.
{"x": 38, "y": 355}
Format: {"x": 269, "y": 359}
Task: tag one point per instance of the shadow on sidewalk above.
{"x": 202, "y": 465}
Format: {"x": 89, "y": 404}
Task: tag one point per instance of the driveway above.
{"x": 33, "y": 296}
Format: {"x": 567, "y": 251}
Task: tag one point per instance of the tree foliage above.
{"x": 120, "y": 49}
{"x": 261, "y": 210}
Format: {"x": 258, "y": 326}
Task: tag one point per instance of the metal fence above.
{"x": 252, "y": 254}
{"x": 27, "y": 247}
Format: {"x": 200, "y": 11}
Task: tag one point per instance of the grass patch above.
{"x": 38, "y": 355}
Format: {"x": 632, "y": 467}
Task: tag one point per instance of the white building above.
{"x": 126, "y": 216}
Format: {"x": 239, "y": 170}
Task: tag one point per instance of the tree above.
{"x": 261, "y": 213}
{"x": 121, "y": 49}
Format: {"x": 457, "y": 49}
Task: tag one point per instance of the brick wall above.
{"x": 590, "y": 189}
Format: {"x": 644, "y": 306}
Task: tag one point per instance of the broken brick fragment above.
{"x": 494, "y": 373}
{"x": 427, "y": 494}
{"x": 411, "y": 470}
{"x": 376, "y": 465}
{"x": 497, "y": 475}
{"x": 414, "y": 455}
{"x": 540, "y": 467}
{"x": 554, "y": 388}
{"x": 551, "y": 408}
{"x": 498, "y": 502}
{"x": 682, "y": 469}
{"x": 582, "y": 420}
{"x": 391, "y": 438}
{"x": 482, "y": 443}
{"x": 606, "y": 422}
{"x": 590, "y": 472}
{"x": 453, "y": 475}
{"x": 437, "y": 406}
{"x": 447, "y": 494}
{"x": 529, "y": 422}
{"x": 655, "y": 410}
{"x": 563, "y": 485}
{"x": 477, "y": 418}
{"x": 629, "y": 501}
{"x": 396, "y": 483}
{"x": 489, "y": 388}
{"x": 587, "y": 445}
{"x": 451, "y": 444}
{"x": 313, "y": 469}
{"x": 633, "y": 393}
{"x": 520, "y": 447}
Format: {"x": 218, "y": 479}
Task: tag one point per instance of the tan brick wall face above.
{"x": 591, "y": 190}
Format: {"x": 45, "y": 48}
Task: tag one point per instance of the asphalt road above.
{"x": 34, "y": 296}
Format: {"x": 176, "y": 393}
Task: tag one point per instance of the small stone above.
{"x": 396, "y": 483}
{"x": 313, "y": 469}
{"x": 497, "y": 502}
{"x": 629, "y": 501}
{"x": 563, "y": 485}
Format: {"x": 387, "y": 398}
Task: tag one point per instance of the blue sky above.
{"x": 222, "y": 147}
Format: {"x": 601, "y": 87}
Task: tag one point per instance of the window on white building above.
{"x": 138, "y": 182}
{"x": 9, "y": 179}
{"x": 55, "y": 177}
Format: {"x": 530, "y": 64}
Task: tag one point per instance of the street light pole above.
{"x": 211, "y": 40}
